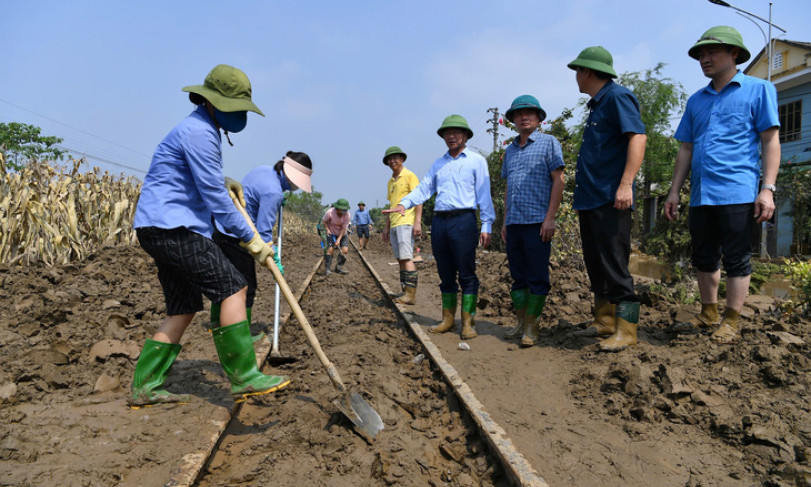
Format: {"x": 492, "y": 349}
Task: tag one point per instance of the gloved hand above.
{"x": 235, "y": 188}
{"x": 258, "y": 249}
{"x": 278, "y": 262}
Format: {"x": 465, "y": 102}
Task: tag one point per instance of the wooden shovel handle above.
{"x": 332, "y": 372}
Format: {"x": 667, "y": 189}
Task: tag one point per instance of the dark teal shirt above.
{"x": 613, "y": 114}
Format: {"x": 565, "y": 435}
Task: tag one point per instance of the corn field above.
{"x": 57, "y": 214}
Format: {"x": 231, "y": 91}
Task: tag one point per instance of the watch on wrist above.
{"x": 770, "y": 187}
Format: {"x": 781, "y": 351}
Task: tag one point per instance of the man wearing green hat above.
{"x": 336, "y": 223}
{"x": 362, "y": 221}
{"x": 401, "y": 230}
{"x": 533, "y": 174}
{"x": 461, "y": 181}
{"x": 720, "y": 131}
{"x": 610, "y": 156}
{"x": 182, "y": 194}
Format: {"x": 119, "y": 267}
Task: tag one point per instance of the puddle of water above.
{"x": 778, "y": 287}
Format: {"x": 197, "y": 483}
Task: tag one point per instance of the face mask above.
{"x": 231, "y": 121}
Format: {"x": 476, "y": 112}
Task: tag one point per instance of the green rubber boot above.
{"x": 468, "y": 312}
{"x": 627, "y": 319}
{"x": 448, "y": 313}
{"x": 214, "y": 321}
{"x": 150, "y": 373}
{"x": 520, "y": 299}
{"x": 238, "y": 359}
{"x": 535, "y": 305}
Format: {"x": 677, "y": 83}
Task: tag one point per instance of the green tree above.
{"x": 21, "y": 142}
{"x": 306, "y": 205}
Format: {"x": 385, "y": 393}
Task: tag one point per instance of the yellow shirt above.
{"x": 398, "y": 188}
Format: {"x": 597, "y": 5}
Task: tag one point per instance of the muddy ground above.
{"x": 676, "y": 410}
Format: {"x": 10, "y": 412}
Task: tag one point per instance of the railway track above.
{"x": 436, "y": 429}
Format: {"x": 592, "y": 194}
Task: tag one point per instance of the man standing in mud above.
{"x": 461, "y": 181}
{"x": 362, "y": 221}
{"x": 720, "y": 130}
{"x": 401, "y": 230}
{"x": 533, "y": 171}
{"x": 610, "y": 156}
{"x": 336, "y": 223}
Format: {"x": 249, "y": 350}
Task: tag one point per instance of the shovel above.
{"x": 351, "y": 404}
{"x": 276, "y": 357}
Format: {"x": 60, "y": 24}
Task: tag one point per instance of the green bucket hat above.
{"x": 361, "y": 203}
{"x": 341, "y": 204}
{"x": 723, "y": 35}
{"x": 391, "y": 151}
{"x": 525, "y": 101}
{"x": 455, "y": 122}
{"x": 227, "y": 88}
{"x": 596, "y": 58}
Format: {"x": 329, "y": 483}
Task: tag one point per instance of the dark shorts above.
{"x": 363, "y": 231}
{"x": 242, "y": 260}
{"x": 189, "y": 265}
{"x": 332, "y": 238}
{"x": 722, "y": 234}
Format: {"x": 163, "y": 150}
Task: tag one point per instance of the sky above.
{"x": 341, "y": 81}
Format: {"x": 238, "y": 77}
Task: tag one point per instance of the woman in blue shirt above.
{"x": 264, "y": 189}
{"x": 182, "y": 192}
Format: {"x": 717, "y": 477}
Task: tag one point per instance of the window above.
{"x": 790, "y": 121}
{"x": 777, "y": 60}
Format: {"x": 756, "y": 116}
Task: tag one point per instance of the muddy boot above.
{"x": 532, "y": 329}
{"x": 468, "y": 313}
{"x": 214, "y": 321}
{"x": 410, "y": 287}
{"x": 627, "y": 318}
{"x": 150, "y": 373}
{"x": 327, "y": 264}
{"x": 520, "y": 297}
{"x": 448, "y": 314}
{"x": 339, "y": 265}
{"x": 727, "y": 332}
{"x": 238, "y": 359}
{"x": 603, "y": 324}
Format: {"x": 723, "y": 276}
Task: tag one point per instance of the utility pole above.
{"x": 494, "y": 130}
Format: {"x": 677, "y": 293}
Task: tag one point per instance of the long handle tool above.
{"x": 276, "y": 357}
{"x": 366, "y": 420}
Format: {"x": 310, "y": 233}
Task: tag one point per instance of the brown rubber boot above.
{"x": 520, "y": 297}
{"x": 448, "y": 314}
{"x": 532, "y": 330}
{"x": 604, "y": 324}
{"x": 468, "y": 312}
{"x": 627, "y": 319}
{"x": 727, "y": 332}
{"x": 409, "y": 297}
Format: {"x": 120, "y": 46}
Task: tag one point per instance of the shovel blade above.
{"x": 362, "y": 415}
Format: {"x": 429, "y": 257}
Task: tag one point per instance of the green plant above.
{"x": 22, "y": 142}
{"x": 799, "y": 275}
{"x": 761, "y": 274}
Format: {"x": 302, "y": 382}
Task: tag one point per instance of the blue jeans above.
{"x": 528, "y": 255}
{"x": 453, "y": 241}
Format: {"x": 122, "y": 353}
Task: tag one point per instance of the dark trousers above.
{"x": 605, "y": 233}
{"x": 454, "y": 239}
{"x": 241, "y": 259}
{"x": 528, "y": 255}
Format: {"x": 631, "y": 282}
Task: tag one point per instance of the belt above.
{"x": 451, "y": 213}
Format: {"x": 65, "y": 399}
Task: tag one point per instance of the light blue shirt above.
{"x": 185, "y": 186}
{"x": 724, "y": 128}
{"x": 460, "y": 183}
{"x": 362, "y": 217}
{"x": 264, "y": 192}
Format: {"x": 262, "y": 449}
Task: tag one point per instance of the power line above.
{"x": 74, "y": 128}
{"x": 101, "y": 159}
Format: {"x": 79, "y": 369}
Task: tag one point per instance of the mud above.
{"x": 677, "y": 410}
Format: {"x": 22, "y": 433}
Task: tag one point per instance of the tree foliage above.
{"x": 21, "y": 142}
{"x": 307, "y": 206}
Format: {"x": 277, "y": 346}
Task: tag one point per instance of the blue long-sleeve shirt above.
{"x": 361, "y": 217}
{"x": 460, "y": 183}
{"x": 264, "y": 192}
{"x": 184, "y": 186}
